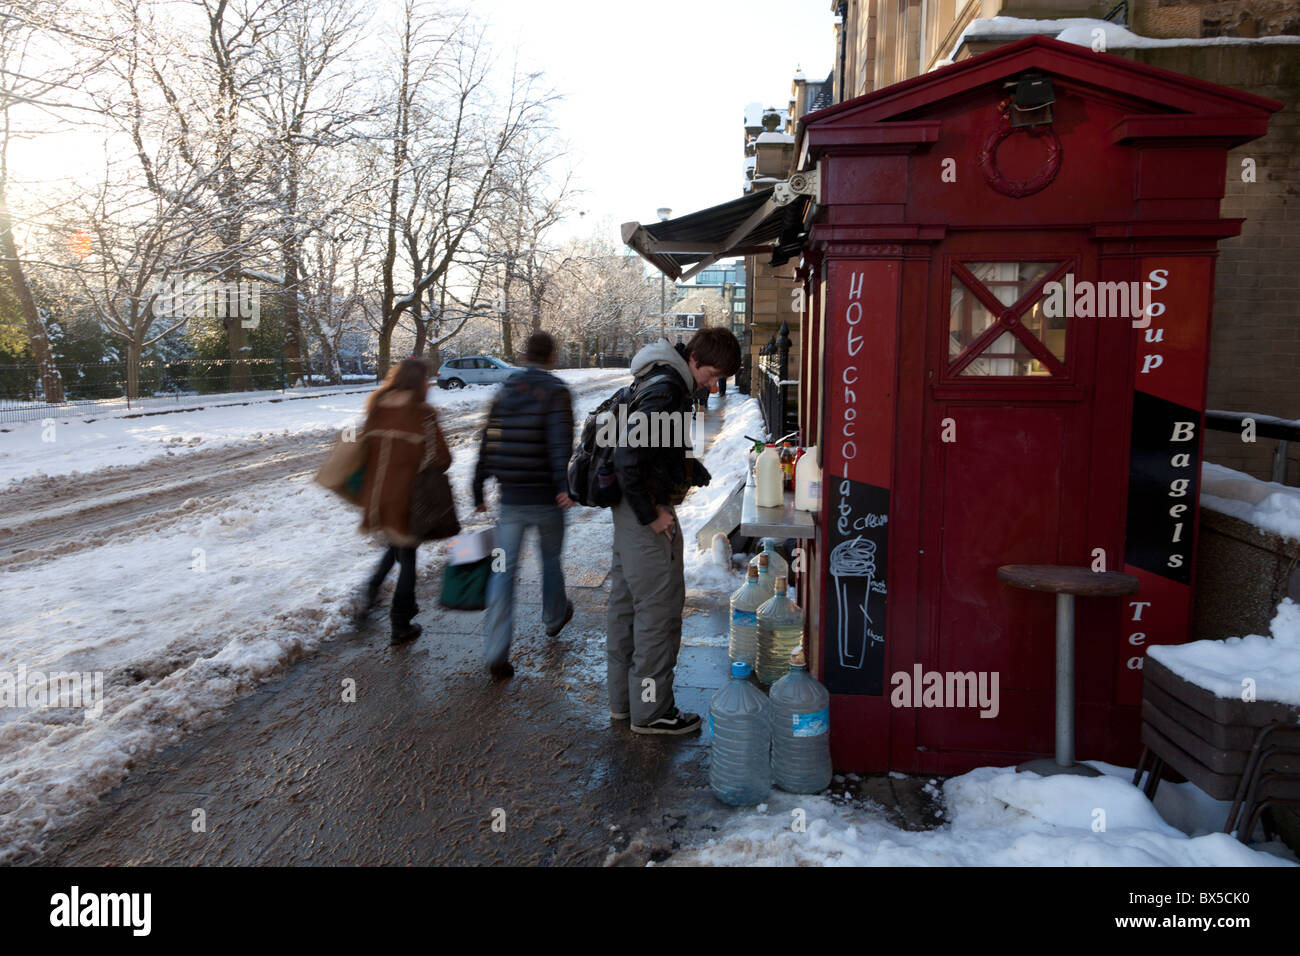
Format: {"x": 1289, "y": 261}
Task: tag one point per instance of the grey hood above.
{"x": 663, "y": 353}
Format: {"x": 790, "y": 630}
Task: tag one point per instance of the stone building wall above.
{"x": 1255, "y": 343}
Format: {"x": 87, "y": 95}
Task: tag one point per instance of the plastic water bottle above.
{"x": 801, "y": 725}
{"x": 808, "y": 482}
{"x": 776, "y": 565}
{"x": 780, "y": 631}
{"x": 740, "y": 769}
{"x": 767, "y": 479}
{"x": 765, "y": 579}
{"x": 744, "y": 618}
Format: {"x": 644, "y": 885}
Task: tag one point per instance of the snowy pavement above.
{"x": 197, "y": 624}
{"x": 994, "y": 817}
{"x": 425, "y": 735}
{"x": 185, "y": 617}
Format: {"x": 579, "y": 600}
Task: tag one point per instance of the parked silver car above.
{"x": 474, "y": 370}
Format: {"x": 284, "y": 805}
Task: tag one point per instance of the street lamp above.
{"x": 664, "y": 212}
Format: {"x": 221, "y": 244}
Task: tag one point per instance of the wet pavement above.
{"x": 430, "y": 757}
{"x": 433, "y": 762}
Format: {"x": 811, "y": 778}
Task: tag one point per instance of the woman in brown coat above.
{"x": 402, "y": 436}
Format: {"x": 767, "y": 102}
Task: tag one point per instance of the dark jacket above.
{"x": 650, "y": 476}
{"x": 528, "y": 439}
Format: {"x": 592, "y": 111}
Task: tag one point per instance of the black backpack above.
{"x": 592, "y": 481}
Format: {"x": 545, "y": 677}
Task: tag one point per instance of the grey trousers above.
{"x": 644, "y": 624}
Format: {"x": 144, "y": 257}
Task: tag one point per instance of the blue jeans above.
{"x": 514, "y": 521}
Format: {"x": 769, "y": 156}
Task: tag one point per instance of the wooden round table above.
{"x": 1066, "y": 582}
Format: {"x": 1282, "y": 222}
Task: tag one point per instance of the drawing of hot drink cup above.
{"x": 855, "y": 558}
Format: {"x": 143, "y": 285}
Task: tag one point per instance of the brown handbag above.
{"x": 433, "y": 510}
{"x": 344, "y": 470}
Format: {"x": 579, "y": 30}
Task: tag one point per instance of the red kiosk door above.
{"x": 1005, "y": 466}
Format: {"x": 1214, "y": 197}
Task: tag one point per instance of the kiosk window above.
{"x": 996, "y": 323}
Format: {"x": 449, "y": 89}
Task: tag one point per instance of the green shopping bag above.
{"x": 464, "y": 586}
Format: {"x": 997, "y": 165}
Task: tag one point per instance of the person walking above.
{"x": 526, "y": 446}
{"x": 648, "y": 586}
{"x": 402, "y": 437}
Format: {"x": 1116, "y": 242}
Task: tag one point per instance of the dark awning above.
{"x": 771, "y": 220}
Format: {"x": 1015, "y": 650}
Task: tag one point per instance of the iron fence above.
{"x": 1282, "y": 431}
{"x": 780, "y": 408}
{"x": 102, "y": 386}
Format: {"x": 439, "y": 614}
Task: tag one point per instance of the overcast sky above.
{"x": 655, "y": 91}
{"x": 654, "y": 95}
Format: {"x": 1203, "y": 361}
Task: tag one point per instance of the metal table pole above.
{"x": 1064, "y": 680}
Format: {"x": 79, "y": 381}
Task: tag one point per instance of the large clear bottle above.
{"x": 780, "y": 631}
{"x": 744, "y": 617}
{"x": 776, "y": 565}
{"x": 765, "y": 579}
{"x": 801, "y": 724}
{"x": 740, "y": 734}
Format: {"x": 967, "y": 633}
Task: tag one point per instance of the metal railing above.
{"x": 102, "y": 386}
{"x": 1283, "y": 431}
{"x": 780, "y": 408}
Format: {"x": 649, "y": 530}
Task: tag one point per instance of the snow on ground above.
{"x": 1222, "y": 667}
{"x": 15, "y": 411}
{"x": 72, "y": 445}
{"x": 182, "y": 621}
{"x": 996, "y": 817}
{"x": 1267, "y": 505}
{"x": 727, "y": 462}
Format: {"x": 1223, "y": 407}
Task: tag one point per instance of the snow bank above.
{"x": 180, "y": 623}
{"x": 997, "y": 817}
{"x": 1220, "y": 667}
{"x": 1267, "y": 505}
{"x": 728, "y": 463}
{"x": 1081, "y": 31}
{"x": 1119, "y": 38}
{"x": 73, "y": 445}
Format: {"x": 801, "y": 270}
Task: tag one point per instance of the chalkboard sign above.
{"x": 855, "y": 587}
{"x": 1162, "y": 487}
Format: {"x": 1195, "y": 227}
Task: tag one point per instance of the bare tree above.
{"x": 144, "y": 249}
{"x": 307, "y": 105}
{"x": 530, "y": 205}
{"x": 190, "y": 79}
{"x": 603, "y": 300}
{"x": 450, "y": 132}
{"x": 333, "y": 293}
{"x": 44, "y": 90}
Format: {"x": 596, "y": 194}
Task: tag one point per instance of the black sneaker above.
{"x": 568, "y": 616}
{"x": 502, "y": 671}
{"x": 673, "y": 722}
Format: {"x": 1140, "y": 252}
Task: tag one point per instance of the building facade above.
{"x": 1244, "y": 44}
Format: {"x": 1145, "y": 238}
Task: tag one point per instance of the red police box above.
{"x": 1010, "y": 271}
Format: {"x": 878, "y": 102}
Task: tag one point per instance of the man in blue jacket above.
{"x": 647, "y": 579}
{"x": 526, "y": 447}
